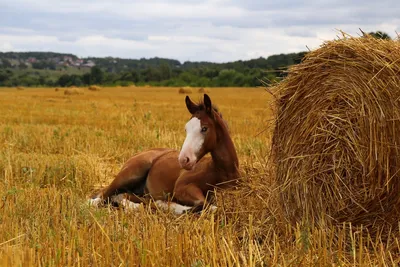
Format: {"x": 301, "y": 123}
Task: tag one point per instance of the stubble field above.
{"x": 56, "y": 149}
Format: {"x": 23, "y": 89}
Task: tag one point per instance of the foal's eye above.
{"x": 204, "y": 129}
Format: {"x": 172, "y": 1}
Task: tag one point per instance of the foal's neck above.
{"x": 224, "y": 156}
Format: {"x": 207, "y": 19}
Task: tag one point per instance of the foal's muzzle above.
{"x": 187, "y": 162}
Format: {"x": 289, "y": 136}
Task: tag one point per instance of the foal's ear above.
{"x": 207, "y": 104}
{"x": 192, "y": 107}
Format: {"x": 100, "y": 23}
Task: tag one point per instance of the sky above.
{"x": 187, "y": 30}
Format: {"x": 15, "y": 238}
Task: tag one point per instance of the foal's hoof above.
{"x": 129, "y": 205}
{"x": 200, "y": 209}
{"x": 95, "y": 202}
{"x": 196, "y": 209}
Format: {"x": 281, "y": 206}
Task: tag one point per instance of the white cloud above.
{"x": 159, "y": 38}
{"x": 5, "y": 46}
{"x": 212, "y": 30}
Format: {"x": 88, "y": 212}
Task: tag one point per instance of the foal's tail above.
{"x": 133, "y": 175}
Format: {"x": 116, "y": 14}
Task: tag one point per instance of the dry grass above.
{"x": 337, "y": 138}
{"x": 54, "y": 153}
{"x": 74, "y": 91}
{"x": 185, "y": 90}
{"x": 20, "y": 88}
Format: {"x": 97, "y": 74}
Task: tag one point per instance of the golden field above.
{"x": 55, "y": 149}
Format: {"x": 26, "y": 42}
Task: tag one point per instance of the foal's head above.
{"x": 201, "y": 132}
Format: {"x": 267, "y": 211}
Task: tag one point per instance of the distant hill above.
{"x": 60, "y": 69}
{"x": 37, "y": 55}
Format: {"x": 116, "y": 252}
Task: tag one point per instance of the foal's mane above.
{"x": 202, "y": 106}
{"x": 215, "y": 108}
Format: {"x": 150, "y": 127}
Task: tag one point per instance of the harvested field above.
{"x": 55, "y": 153}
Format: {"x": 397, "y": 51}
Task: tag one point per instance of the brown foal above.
{"x": 186, "y": 176}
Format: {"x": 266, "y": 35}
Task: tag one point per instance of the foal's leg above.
{"x": 187, "y": 195}
{"x": 172, "y": 206}
{"x": 131, "y": 177}
{"x": 191, "y": 195}
{"x": 133, "y": 202}
{"x": 127, "y": 201}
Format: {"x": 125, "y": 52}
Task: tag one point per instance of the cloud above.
{"x": 211, "y": 30}
{"x": 6, "y": 46}
{"x": 300, "y": 31}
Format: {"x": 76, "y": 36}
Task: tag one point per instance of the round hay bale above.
{"x": 94, "y": 88}
{"x": 336, "y": 142}
{"x": 73, "y": 91}
{"x": 203, "y": 90}
{"x": 185, "y": 90}
{"x": 20, "y": 88}
{"x": 57, "y": 89}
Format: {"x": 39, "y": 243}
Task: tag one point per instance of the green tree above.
{"x": 380, "y": 35}
{"x": 3, "y": 77}
{"x": 226, "y": 77}
{"x": 86, "y": 78}
{"x": 43, "y": 65}
{"x": 6, "y": 63}
{"x": 165, "y": 71}
{"x": 75, "y": 80}
{"x": 132, "y": 76}
{"x": 22, "y": 66}
{"x": 151, "y": 74}
{"x": 187, "y": 78}
{"x": 63, "y": 80}
{"x": 96, "y": 75}
{"x": 135, "y": 76}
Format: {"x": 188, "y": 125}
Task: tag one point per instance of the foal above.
{"x": 187, "y": 175}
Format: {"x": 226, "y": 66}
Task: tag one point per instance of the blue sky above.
{"x": 213, "y": 30}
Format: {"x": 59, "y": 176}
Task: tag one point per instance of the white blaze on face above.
{"x": 192, "y": 145}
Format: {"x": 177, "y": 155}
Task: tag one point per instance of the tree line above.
{"x": 154, "y": 71}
